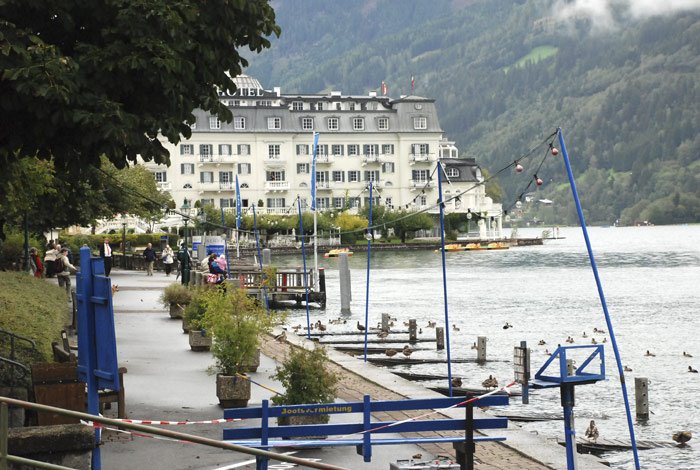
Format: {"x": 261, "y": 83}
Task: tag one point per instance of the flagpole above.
{"x": 238, "y": 219}
{"x": 313, "y": 207}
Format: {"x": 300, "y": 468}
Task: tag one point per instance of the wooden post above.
{"x": 385, "y": 322}
{"x": 345, "y": 285}
{"x": 412, "y": 331}
{"x": 641, "y": 395}
{"x": 440, "y": 338}
{"x": 481, "y": 349}
{"x": 570, "y": 369}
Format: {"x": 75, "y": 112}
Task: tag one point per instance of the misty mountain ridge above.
{"x": 623, "y": 85}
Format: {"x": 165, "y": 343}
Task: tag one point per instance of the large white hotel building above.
{"x": 395, "y": 143}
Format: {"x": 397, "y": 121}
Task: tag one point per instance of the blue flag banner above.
{"x": 313, "y": 173}
{"x": 238, "y": 205}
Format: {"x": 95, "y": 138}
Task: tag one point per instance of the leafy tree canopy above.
{"x": 80, "y": 80}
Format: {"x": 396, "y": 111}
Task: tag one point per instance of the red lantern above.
{"x": 555, "y": 151}
{"x": 519, "y": 168}
{"x": 539, "y": 181}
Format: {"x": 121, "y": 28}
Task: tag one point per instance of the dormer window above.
{"x": 307, "y": 123}
{"x": 420, "y": 123}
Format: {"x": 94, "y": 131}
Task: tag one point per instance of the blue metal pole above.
{"x": 257, "y": 246}
{"x": 567, "y": 402}
{"x": 608, "y": 321}
{"x": 369, "y": 255}
{"x": 306, "y": 283}
{"x": 444, "y": 276}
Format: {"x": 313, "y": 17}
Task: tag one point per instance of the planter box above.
{"x": 232, "y": 391}
{"x": 251, "y": 364}
{"x": 199, "y": 340}
{"x": 185, "y": 325}
{"x": 177, "y": 310}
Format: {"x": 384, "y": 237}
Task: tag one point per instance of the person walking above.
{"x": 50, "y": 259}
{"x": 64, "y": 274}
{"x": 150, "y": 255}
{"x": 168, "y": 257}
{"x": 35, "y": 263}
{"x": 106, "y": 255}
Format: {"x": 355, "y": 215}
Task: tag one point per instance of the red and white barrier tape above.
{"x": 178, "y": 423}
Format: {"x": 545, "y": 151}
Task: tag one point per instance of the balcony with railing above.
{"x": 325, "y": 159}
{"x": 275, "y": 160}
{"x": 419, "y": 158}
{"x": 205, "y": 159}
{"x": 324, "y": 185}
{"x": 276, "y": 185}
{"x": 164, "y": 185}
{"x": 420, "y": 184}
{"x": 277, "y": 210}
{"x": 370, "y": 158}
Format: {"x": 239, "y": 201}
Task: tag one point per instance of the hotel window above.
{"x": 239, "y": 123}
{"x": 160, "y": 176}
{"x": 205, "y": 152}
{"x": 388, "y": 149}
{"x": 214, "y": 122}
{"x": 371, "y": 175}
{"x": 388, "y": 202}
{"x": 273, "y": 151}
{"x": 338, "y": 202}
{"x": 307, "y": 124}
{"x": 420, "y": 149}
{"x": 225, "y": 149}
{"x": 420, "y": 175}
{"x": 388, "y": 167}
{"x": 274, "y": 123}
{"x": 297, "y": 105}
{"x": 264, "y": 103}
{"x": 243, "y": 169}
{"x": 276, "y": 203}
{"x": 452, "y": 173}
{"x": 302, "y": 149}
{"x": 323, "y": 203}
{"x": 206, "y": 202}
{"x": 206, "y": 177}
{"x": 243, "y": 149}
{"x": 333, "y": 124}
{"x": 338, "y": 176}
{"x": 358, "y": 124}
{"x": 336, "y": 149}
{"x": 186, "y": 149}
{"x": 423, "y": 200}
{"x": 353, "y": 176}
{"x": 187, "y": 168}
{"x": 351, "y": 106}
{"x": 420, "y": 123}
{"x": 226, "y": 180}
{"x": 371, "y": 150}
{"x": 274, "y": 175}
{"x": 353, "y": 202}
{"x": 383, "y": 124}
{"x": 226, "y": 202}
{"x": 353, "y": 149}
{"x": 302, "y": 168}
{"x": 322, "y": 149}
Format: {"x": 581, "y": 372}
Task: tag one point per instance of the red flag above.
{"x": 384, "y": 88}
{"x": 413, "y": 83}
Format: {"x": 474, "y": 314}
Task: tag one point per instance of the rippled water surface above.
{"x": 651, "y": 280}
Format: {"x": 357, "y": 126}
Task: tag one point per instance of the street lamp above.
{"x": 123, "y": 241}
{"x": 184, "y": 251}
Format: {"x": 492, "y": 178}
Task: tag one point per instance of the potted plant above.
{"x": 236, "y": 322}
{"x": 176, "y": 297}
{"x": 306, "y": 380}
{"x": 193, "y": 323}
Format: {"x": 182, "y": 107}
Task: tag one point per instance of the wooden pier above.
{"x": 472, "y": 391}
{"x": 390, "y": 361}
{"x": 288, "y": 285}
{"x": 610, "y": 445}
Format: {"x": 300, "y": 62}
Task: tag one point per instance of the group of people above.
{"x": 149, "y": 254}
{"x": 58, "y": 262}
{"x": 217, "y": 267}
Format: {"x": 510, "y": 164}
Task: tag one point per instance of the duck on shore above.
{"x": 491, "y": 382}
{"x": 360, "y": 327}
{"x": 649, "y": 354}
{"x": 685, "y": 354}
{"x": 691, "y": 370}
{"x": 407, "y": 351}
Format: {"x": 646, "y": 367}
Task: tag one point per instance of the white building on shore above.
{"x": 395, "y": 143}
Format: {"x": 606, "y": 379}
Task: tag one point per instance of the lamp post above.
{"x": 123, "y": 241}
{"x": 184, "y": 254}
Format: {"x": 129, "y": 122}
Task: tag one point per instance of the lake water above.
{"x": 651, "y": 280}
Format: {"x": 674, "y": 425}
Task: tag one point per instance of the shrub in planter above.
{"x": 306, "y": 380}
{"x": 176, "y": 297}
{"x": 193, "y": 322}
{"x": 236, "y": 322}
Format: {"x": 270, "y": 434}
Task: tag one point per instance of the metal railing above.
{"x": 5, "y": 458}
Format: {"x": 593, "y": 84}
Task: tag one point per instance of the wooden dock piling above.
{"x": 412, "y": 331}
{"x": 385, "y": 322}
{"x": 345, "y": 284}
{"x": 440, "y": 338}
{"x": 641, "y": 396}
{"x": 481, "y": 349}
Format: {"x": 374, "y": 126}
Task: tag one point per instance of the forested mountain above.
{"x": 506, "y": 73}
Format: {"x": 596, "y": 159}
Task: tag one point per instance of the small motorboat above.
{"x": 473, "y": 247}
{"x": 334, "y": 253}
{"x": 497, "y": 246}
{"x": 452, "y": 247}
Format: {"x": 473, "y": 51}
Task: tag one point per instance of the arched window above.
{"x": 187, "y": 186}
{"x": 303, "y": 185}
{"x": 452, "y": 173}
{"x": 388, "y": 184}
{"x": 244, "y": 185}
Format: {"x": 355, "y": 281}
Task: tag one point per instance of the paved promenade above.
{"x": 167, "y": 381}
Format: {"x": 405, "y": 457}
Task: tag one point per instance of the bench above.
{"x": 362, "y": 435}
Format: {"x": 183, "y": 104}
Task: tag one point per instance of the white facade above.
{"x": 395, "y": 143}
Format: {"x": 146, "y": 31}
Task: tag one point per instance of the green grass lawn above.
{"x": 537, "y": 54}
{"x": 34, "y": 308}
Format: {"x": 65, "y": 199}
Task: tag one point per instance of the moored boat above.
{"x": 334, "y": 253}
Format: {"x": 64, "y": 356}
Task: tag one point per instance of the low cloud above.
{"x": 609, "y": 14}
